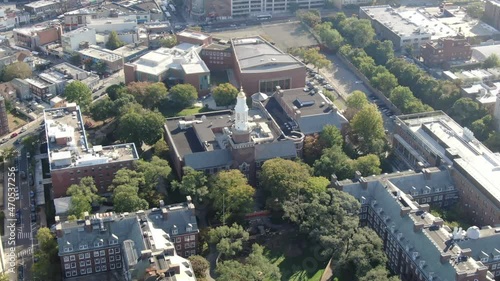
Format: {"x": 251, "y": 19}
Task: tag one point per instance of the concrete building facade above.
{"x": 96, "y": 54}
{"x": 492, "y": 13}
{"x": 37, "y": 36}
{"x": 71, "y": 158}
{"x": 71, "y": 41}
{"x": 434, "y": 139}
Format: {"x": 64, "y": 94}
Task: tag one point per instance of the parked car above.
{"x": 306, "y": 89}
{"x": 14, "y": 135}
{"x": 329, "y": 87}
{"x": 32, "y": 194}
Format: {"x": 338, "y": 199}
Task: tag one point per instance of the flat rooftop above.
{"x": 449, "y": 140}
{"x": 78, "y": 31}
{"x": 28, "y": 31}
{"x": 100, "y": 54}
{"x": 68, "y": 146}
{"x": 411, "y": 21}
{"x": 39, "y": 4}
{"x": 68, "y": 69}
{"x": 193, "y": 35}
{"x": 37, "y": 82}
{"x": 255, "y": 55}
{"x": 480, "y": 53}
{"x": 184, "y": 56}
{"x": 129, "y": 50}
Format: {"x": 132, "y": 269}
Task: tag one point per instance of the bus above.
{"x": 172, "y": 8}
{"x": 264, "y": 17}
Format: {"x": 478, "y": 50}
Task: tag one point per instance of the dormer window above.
{"x": 68, "y": 249}
{"x": 99, "y": 243}
{"x": 175, "y": 231}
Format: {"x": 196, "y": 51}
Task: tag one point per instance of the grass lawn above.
{"x": 15, "y": 122}
{"x": 296, "y": 260}
{"x": 185, "y": 112}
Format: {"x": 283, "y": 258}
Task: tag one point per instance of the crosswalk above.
{"x": 24, "y": 235}
{"x": 25, "y": 252}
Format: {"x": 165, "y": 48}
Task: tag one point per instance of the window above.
{"x": 175, "y": 231}
{"x": 111, "y": 258}
{"x": 117, "y": 250}
{"x": 82, "y": 263}
{"x": 118, "y": 257}
{"x": 102, "y": 253}
{"x": 68, "y": 273}
{"x": 72, "y": 258}
{"x": 81, "y": 256}
{"x": 96, "y": 253}
{"x": 118, "y": 265}
{"x": 87, "y": 262}
{"x": 187, "y": 253}
{"x": 98, "y": 244}
{"x": 87, "y": 255}
{"x": 186, "y": 246}
{"x": 192, "y": 244}
{"x": 104, "y": 267}
{"x": 113, "y": 242}
{"x": 83, "y": 271}
{"x": 111, "y": 251}
{"x": 103, "y": 260}
{"x": 178, "y": 247}
{"x": 73, "y": 265}
{"x": 98, "y": 268}
{"x": 97, "y": 261}
{"x": 67, "y": 266}
{"x": 112, "y": 266}
{"x": 89, "y": 270}
{"x": 66, "y": 259}
{"x": 177, "y": 240}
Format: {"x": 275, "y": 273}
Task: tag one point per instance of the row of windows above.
{"x": 88, "y": 270}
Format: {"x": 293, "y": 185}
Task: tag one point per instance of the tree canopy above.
{"x": 231, "y": 194}
{"x": 225, "y": 94}
{"x": 102, "y": 109}
{"x": 147, "y": 94}
{"x": 78, "y": 92}
{"x": 183, "y": 95}
{"x": 139, "y": 126}
{"x": 492, "y": 61}
{"x": 113, "y": 41}
{"x": 19, "y": 70}
{"x": 194, "y": 183}
{"x": 368, "y": 126}
{"x": 82, "y": 197}
{"x": 228, "y": 239}
{"x": 200, "y": 266}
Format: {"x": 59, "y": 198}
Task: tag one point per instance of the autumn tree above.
{"x": 200, "y": 266}
{"x": 146, "y": 93}
{"x": 225, "y": 94}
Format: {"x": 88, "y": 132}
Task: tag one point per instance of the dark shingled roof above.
{"x": 280, "y": 149}
{"x": 208, "y": 159}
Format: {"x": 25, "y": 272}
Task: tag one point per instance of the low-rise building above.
{"x": 71, "y": 156}
{"x": 37, "y": 36}
{"x": 218, "y": 55}
{"x": 44, "y": 8}
{"x": 492, "y": 13}
{"x": 4, "y": 121}
{"x": 439, "y": 52}
{"x": 22, "y": 88}
{"x": 96, "y": 54}
{"x": 342, "y": 3}
{"x": 260, "y": 67}
{"x": 419, "y": 246}
{"x": 7, "y": 56}
{"x": 434, "y": 139}
{"x": 72, "y": 40}
{"x": 137, "y": 246}
{"x": 132, "y": 51}
{"x": 11, "y": 18}
{"x": 194, "y": 37}
{"x": 125, "y": 23}
{"x": 42, "y": 89}
{"x": 178, "y": 64}
{"x": 481, "y": 53}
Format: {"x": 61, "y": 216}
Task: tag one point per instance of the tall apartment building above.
{"x": 4, "y": 121}
{"x": 434, "y": 139}
{"x": 71, "y": 156}
{"x": 445, "y": 50}
{"x": 130, "y": 246}
{"x": 492, "y": 13}
{"x": 419, "y": 246}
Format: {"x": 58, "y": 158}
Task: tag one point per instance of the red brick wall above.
{"x": 129, "y": 71}
{"x": 103, "y": 176}
{"x": 49, "y": 35}
{"x": 180, "y": 244}
{"x": 194, "y": 79}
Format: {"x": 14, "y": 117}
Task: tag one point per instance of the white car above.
{"x": 359, "y": 82}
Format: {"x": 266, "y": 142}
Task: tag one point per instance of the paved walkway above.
{"x": 328, "y": 273}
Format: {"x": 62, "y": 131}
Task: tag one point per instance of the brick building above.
{"x": 37, "y": 36}
{"x": 445, "y": 50}
{"x": 218, "y": 55}
{"x": 194, "y": 37}
{"x": 492, "y": 13}
{"x": 260, "y": 67}
{"x": 130, "y": 246}
{"x": 419, "y": 246}
{"x": 71, "y": 157}
{"x": 434, "y": 139}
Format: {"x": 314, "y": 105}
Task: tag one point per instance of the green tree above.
{"x": 146, "y": 93}
{"x": 231, "y": 194}
{"x": 200, "y": 266}
{"x": 228, "y": 239}
{"x": 102, "y": 109}
{"x": 140, "y": 126}
{"x": 359, "y": 32}
{"x": 475, "y": 10}
{"x": 329, "y": 218}
{"x": 378, "y": 273}
{"x": 492, "y": 61}
{"x": 155, "y": 174}
{"x": 355, "y": 102}
{"x": 160, "y": 148}
{"x": 284, "y": 179}
{"x": 78, "y": 92}
{"x": 380, "y": 51}
{"x": 313, "y": 56}
{"x": 482, "y": 127}
{"x": 368, "y": 126}
{"x": 101, "y": 67}
{"x": 225, "y": 94}
{"x": 310, "y": 17}
{"x": 75, "y": 59}
{"x": 19, "y": 70}
{"x": 465, "y": 111}
{"x": 125, "y": 189}
{"x": 183, "y": 95}
{"x": 385, "y": 82}
{"x": 194, "y": 183}
{"x": 82, "y": 196}
{"x": 9, "y": 153}
{"x": 334, "y": 161}
{"x": 47, "y": 266}
{"x": 367, "y": 165}
{"x": 4, "y": 277}
{"x": 331, "y": 136}
{"x": 168, "y": 42}
{"x": 113, "y": 41}
{"x": 256, "y": 267}
{"x": 493, "y": 142}
{"x": 329, "y": 36}
{"x": 114, "y": 91}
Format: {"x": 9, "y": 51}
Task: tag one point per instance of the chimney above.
{"x": 162, "y": 203}
{"x": 164, "y": 213}
{"x": 191, "y": 208}
{"x": 357, "y": 175}
{"x": 86, "y": 215}
{"x": 59, "y": 231}
{"x": 188, "y": 199}
{"x": 427, "y": 174}
{"x": 418, "y": 226}
{"x": 425, "y": 207}
{"x": 145, "y": 254}
{"x": 466, "y": 252}
{"x": 445, "y": 257}
{"x": 88, "y": 226}
{"x": 364, "y": 183}
{"x": 439, "y": 222}
{"x": 57, "y": 219}
{"x": 404, "y": 211}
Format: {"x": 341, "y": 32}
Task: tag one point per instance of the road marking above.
{"x": 24, "y": 235}
{"x": 25, "y": 252}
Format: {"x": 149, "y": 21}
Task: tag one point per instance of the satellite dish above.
{"x": 473, "y": 232}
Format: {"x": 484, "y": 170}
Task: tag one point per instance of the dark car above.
{"x": 13, "y": 135}
{"x": 20, "y": 272}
